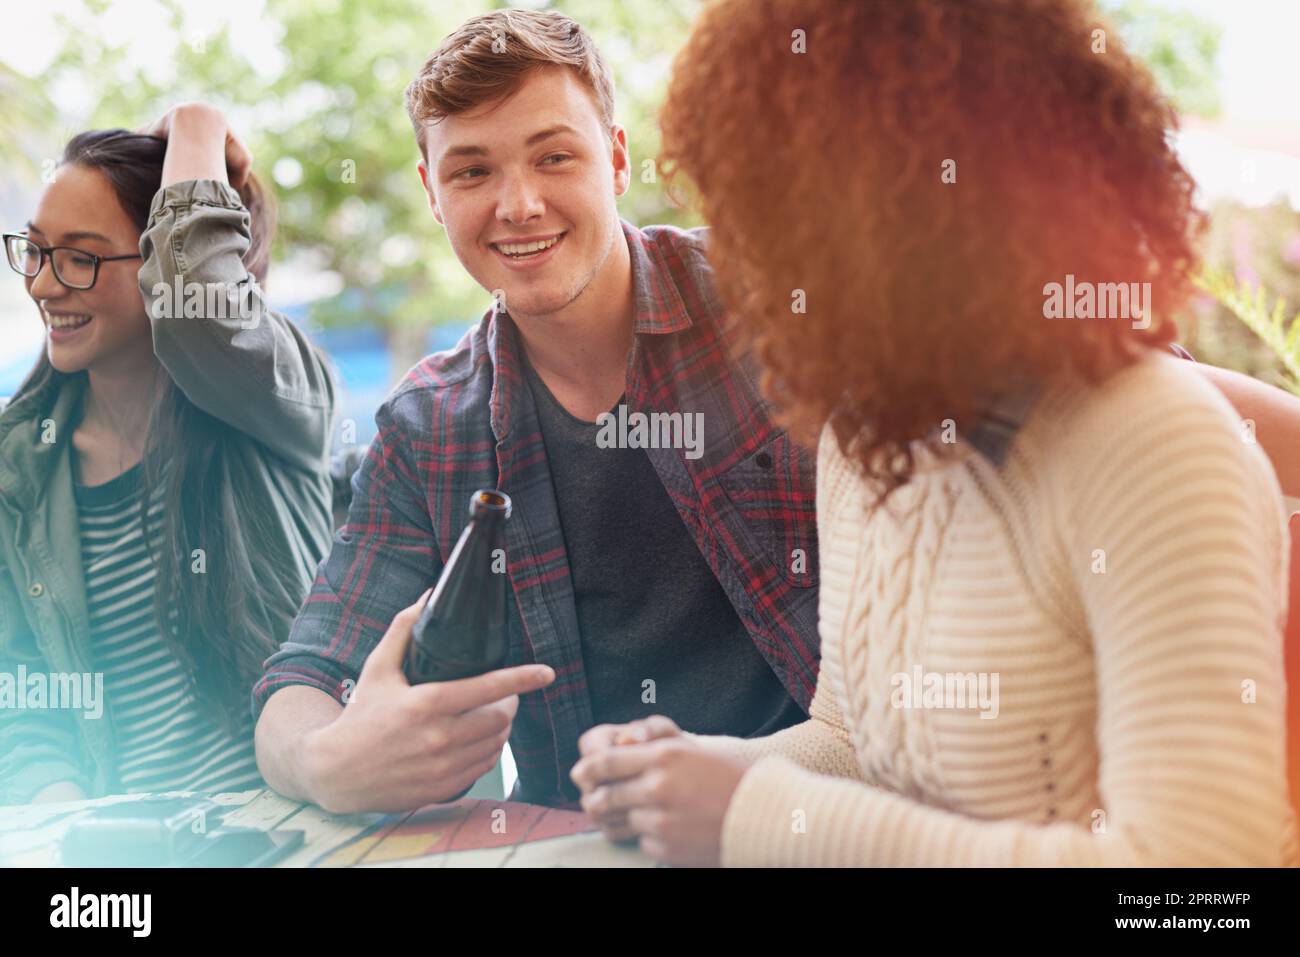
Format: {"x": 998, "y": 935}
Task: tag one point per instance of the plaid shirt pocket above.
{"x": 778, "y": 507}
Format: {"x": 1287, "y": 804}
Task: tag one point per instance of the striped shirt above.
{"x": 165, "y": 738}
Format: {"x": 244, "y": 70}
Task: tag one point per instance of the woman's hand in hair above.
{"x": 200, "y": 145}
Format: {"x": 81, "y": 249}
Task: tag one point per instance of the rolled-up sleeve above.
{"x": 231, "y": 355}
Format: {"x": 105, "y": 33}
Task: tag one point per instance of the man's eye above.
{"x": 560, "y": 157}
{"x": 474, "y": 172}
{"x": 82, "y": 261}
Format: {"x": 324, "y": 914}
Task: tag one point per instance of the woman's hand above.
{"x": 603, "y": 736}
{"x": 673, "y": 792}
{"x": 200, "y": 146}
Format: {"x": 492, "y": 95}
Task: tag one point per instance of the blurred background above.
{"x": 315, "y": 87}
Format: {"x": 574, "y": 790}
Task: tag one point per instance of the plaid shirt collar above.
{"x": 657, "y": 309}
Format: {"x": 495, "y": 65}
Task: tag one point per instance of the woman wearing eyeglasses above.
{"x": 164, "y": 495}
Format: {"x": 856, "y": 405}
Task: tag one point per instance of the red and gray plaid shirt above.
{"x": 464, "y": 419}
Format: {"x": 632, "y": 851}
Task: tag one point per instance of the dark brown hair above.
{"x": 132, "y": 164}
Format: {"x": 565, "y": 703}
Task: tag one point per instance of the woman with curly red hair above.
{"x": 1052, "y": 570}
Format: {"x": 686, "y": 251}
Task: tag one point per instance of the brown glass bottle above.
{"x": 461, "y": 630}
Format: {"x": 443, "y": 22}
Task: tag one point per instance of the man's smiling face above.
{"x": 526, "y": 187}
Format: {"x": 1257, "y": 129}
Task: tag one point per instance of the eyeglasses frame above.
{"x": 47, "y": 252}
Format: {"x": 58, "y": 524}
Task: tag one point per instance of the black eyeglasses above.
{"x": 74, "y": 268}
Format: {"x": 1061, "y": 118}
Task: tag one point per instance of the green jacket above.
{"x": 258, "y": 375}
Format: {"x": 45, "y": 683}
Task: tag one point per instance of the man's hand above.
{"x": 673, "y": 792}
{"x": 398, "y": 746}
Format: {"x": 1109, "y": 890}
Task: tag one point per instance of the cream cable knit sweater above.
{"x": 1123, "y": 577}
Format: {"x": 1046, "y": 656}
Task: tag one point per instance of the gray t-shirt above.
{"x": 649, "y": 608}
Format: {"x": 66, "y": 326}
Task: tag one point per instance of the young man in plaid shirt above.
{"x": 650, "y": 583}
{"x": 674, "y": 581}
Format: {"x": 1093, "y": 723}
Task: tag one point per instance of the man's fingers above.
{"x": 485, "y": 721}
{"x": 460, "y": 768}
{"x": 479, "y": 753}
{"x": 463, "y": 694}
{"x": 390, "y": 653}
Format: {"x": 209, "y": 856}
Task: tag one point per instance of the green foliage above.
{"x": 1180, "y": 48}
{"x": 21, "y": 121}
{"x": 1251, "y": 306}
{"x": 1258, "y": 247}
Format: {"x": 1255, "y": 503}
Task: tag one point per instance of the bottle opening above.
{"x": 490, "y": 500}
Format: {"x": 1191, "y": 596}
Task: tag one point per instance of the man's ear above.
{"x": 428, "y": 191}
{"x": 622, "y": 162}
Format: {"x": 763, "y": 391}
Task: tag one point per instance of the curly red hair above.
{"x": 821, "y": 172}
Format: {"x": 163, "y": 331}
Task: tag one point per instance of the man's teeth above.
{"x": 68, "y": 322}
{"x": 523, "y": 249}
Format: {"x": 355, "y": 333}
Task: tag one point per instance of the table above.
{"x": 471, "y": 832}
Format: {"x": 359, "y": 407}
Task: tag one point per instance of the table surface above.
{"x": 472, "y": 832}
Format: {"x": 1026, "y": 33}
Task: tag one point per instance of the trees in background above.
{"x": 317, "y": 86}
